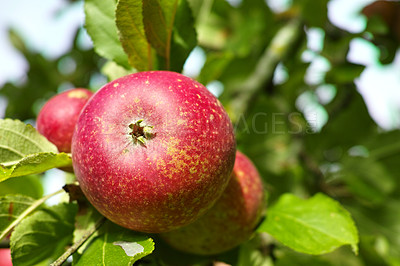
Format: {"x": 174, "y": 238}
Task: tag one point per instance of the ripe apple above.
{"x": 57, "y": 119}
{"x": 153, "y": 151}
{"x": 230, "y": 221}
{"x": 5, "y": 257}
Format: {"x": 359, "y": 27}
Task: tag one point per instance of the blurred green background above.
{"x": 323, "y": 117}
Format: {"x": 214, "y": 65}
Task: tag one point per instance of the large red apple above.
{"x": 5, "y": 257}
{"x": 57, "y": 119}
{"x": 230, "y": 221}
{"x": 153, "y": 151}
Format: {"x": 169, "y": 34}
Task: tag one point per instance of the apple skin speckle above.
{"x": 172, "y": 179}
{"x": 230, "y": 221}
{"x": 57, "y": 118}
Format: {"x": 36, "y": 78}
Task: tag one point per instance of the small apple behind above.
{"x": 57, "y": 119}
{"x": 5, "y": 257}
{"x": 230, "y": 221}
{"x": 153, "y": 151}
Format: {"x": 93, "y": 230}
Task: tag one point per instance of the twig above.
{"x": 279, "y": 47}
{"x": 79, "y": 243}
{"x": 25, "y": 213}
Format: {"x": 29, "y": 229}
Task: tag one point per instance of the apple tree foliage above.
{"x": 333, "y": 190}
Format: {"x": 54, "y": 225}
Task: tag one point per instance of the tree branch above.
{"x": 264, "y": 71}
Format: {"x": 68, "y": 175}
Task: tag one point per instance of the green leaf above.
{"x": 30, "y": 186}
{"x": 116, "y": 246}
{"x": 367, "y": 179}
{"x": 18, "y": 140}
{"x": 158, "y": 19}
{"x": 43, "y": 235}
{"x": 254, "y": 22}
{"x": 315, "y": 226}
{"x": 15, "y": 217}
{"x": 166, "y": 26}
{"x": 11, "y": 207}
{"x": 86, "y": 218}
{"x": 100, "y": 24}
{"x": 34, "y": 164}
{"x": 25, "y": 151}
{"x": 184, "y": 37}
{"x": 129, "y": 19}
{"x": 169, "y": 29}
{"x": 214, "y": 66}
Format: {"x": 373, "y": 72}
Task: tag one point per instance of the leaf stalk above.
{"x": 28, "y": 211}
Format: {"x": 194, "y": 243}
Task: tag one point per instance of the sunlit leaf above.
{"x": 129, "y": 19}
{"x": 24, "y": 151}
{"x": 315, "y": 226}
{"x": 34, "y": 164}
{"x": 116, "y": 245}
{"x": 18, "y": 139}
{"x": 100, "y": 24}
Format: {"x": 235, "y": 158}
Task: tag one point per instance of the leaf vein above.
{"x": 4, "y": 147}
{"x": 25, "y": 137}
{"x": 291, "y": 217}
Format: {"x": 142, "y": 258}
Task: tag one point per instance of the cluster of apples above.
{"x": 155, "y": 152}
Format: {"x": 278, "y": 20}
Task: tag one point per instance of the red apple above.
{"x": 153, "y": 151}
{"x": 57, "y": 119}
{"x": 230, "y": 221}
{"x": 5, "y": 257}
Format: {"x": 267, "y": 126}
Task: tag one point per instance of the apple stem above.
{"x": 141, "y": 132}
